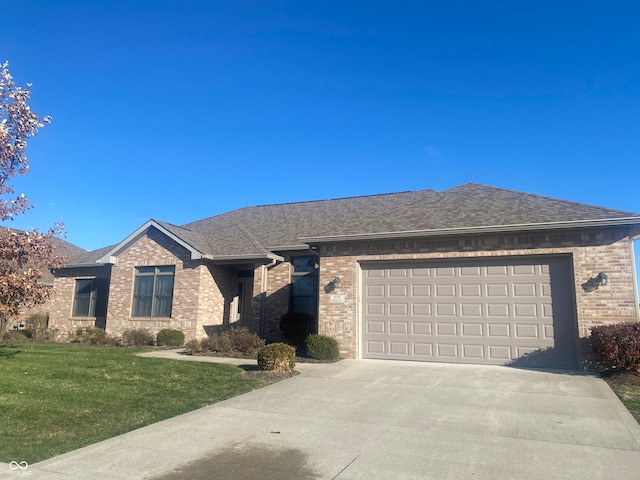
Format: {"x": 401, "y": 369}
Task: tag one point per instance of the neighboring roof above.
{"x": 68, "y": 249}
{"x": 257, "y": 231}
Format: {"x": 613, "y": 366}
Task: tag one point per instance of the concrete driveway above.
{"x": 382, "y": 420}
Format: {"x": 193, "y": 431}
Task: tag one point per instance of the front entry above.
{"x": 243, "y": 304}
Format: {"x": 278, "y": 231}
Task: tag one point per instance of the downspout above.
{"x": 263, "y": 293}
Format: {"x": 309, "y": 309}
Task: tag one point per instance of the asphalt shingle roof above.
{"x": 256, "y": 230}
{"x": 469, "y": 205}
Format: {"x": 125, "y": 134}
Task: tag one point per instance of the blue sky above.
{"x": 179, "y": 110}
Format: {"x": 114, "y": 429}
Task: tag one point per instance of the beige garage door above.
{"x": 516, "y": 311}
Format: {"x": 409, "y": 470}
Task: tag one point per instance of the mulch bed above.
{"x": 266, "y": 376}
{"x": 616, "y": 378}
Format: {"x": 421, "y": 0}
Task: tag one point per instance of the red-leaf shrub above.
{"x": 617, "y": 346}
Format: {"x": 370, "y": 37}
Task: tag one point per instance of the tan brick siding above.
{"x": 61, "y": 303}
{"x": 591, "y": 252}
{"x": 274, "y": 295}
{"x": 201, "y": 298}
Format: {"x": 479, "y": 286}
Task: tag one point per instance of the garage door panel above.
{"x": 498, "y": 290}
{"x": 422, "y": 328}
{"x": 446, "y": 328}
{"x": 375, "y": 309}
{"x": 423, "y": 349}
{"x": 496, "y": 330}
{"x": 375, "y": 291}
{"x": 376, "y": 327}
{"x": 475, "y": 352}
{"x": 398, "y": 309}
{"x": 472, "y": 329}
{"x": 471, "y": 309}
{"x": 418, "y": 291}
{"x": 446, "y": 309}
{"x": 421, "y": 309}
{"x": 475, "y": 311}
{"x": 396, "y": 328}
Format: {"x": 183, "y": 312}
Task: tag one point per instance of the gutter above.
{"x": 251, "y": 256}
{"x": 610, "y": 222}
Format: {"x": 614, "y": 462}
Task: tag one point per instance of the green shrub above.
{"x": 277, "y": 357}
{"x": 137, "y": 337}
{"x": 296, "y": 327}
{"x": 617, "y": 346}
{"x": 320, "y": 347}
{"x": 170, "y": 337}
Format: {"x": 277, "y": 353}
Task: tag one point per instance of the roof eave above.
{"x": 610, "y": 222}
{"x": 267, "y": 257}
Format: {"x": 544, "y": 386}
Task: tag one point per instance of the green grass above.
{"x": 55, "y": 398}
{"x": 630, "y": 397}
{"x": 626, "y": 385}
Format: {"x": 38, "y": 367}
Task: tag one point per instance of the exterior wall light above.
{"x": 603, "y": 278}
{"x": 335, "y": 283}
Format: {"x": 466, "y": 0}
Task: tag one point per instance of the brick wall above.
{"x": 215, "y": 296}
{"x": 592, "y": 252}
{"x": 155, "y": 249}
{"x": 271, "y": 289}
{"x": 60, "y": 306}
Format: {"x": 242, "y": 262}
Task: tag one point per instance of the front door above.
{"x": 244, "y": 312}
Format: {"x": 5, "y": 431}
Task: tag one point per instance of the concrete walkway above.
{"x": 382, "y": 420}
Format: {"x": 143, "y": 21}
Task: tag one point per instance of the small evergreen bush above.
{"x": 321, "y": 347}
{"x": 137, "y": 337}
{"x": 617, "y": 346}
{"x": 170, "y": 337}
{"x": 296, "y": 327}
{"x": 277, "y": 357}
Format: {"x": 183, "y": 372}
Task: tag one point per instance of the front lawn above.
{"x": 626, "y": 386}
{"x": 55, "y": 398}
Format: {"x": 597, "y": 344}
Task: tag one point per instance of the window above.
{"x": 90, "y": 299}
{"x": 153, "y": 291}
{"x": 304, "y": 285}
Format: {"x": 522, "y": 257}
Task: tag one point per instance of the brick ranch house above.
{"x": 474, "y": 274}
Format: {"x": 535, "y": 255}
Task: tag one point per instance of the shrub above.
{"x": 277, "y": 357}
{"x": 92, "y": 335}
{"x": 296, "y": 327}
{"x": 137, "y": 337}
{"x": 242, "y": 341}
{"x": 320, "y": 347}
{"x": 16, "y": 335}
{"x": 170, "y": 337}
{"x": 617, "y": 346}
{"x": 231, "y": 343}
{"x": 37, "y": 324}
{"x": 193, "y": 347}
